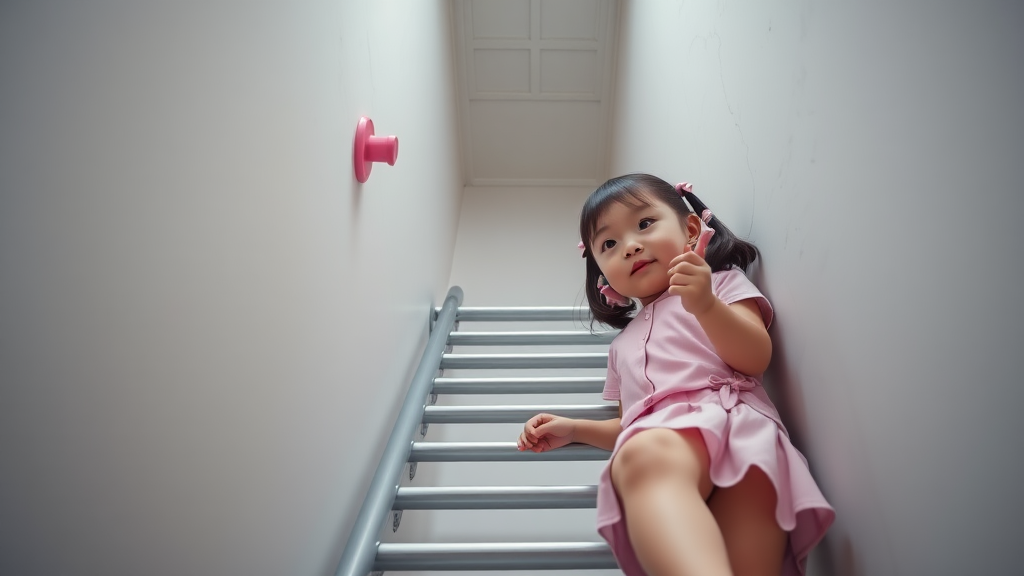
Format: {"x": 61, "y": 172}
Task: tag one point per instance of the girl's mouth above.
{"x": 639, "y": 264}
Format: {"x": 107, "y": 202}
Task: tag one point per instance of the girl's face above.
{"x": 634, "y": 245}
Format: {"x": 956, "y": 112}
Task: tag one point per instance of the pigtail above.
{"x": 614, "y": 316}
{"x": 726, "y": 250}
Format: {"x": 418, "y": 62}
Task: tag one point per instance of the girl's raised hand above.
{"x": 689, "y": 277}
{"x": 545, "y": 432}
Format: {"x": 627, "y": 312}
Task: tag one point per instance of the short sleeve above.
{"x": 611, "y": 380}
{"x": 732, "y": 285}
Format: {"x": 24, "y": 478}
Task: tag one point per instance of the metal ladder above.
{"x": 386, "y": 498}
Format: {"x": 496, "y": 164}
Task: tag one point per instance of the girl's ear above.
{"x": 692, "y": 227}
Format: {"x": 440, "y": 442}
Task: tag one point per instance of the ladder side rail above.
{"x": 361, "y": 548}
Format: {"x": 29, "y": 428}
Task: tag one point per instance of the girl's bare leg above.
{"x": 746, "y": 517}
{"x": 662, "y": 479}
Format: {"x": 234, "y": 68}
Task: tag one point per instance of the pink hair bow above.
{"x": 613, "y": 298}
{"x": 583, "y": 249}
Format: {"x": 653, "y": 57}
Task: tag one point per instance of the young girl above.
{"x": 703, "y": 479}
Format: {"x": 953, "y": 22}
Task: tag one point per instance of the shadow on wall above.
{"x": 834, "y": 555}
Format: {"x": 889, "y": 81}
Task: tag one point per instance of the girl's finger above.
{"x": 680, "y": 273}
{"x": 675, "y": 290}
{"x": 703, "y": 240}
{"x": 684, "y": 257}
{"x": 686, "y": 250}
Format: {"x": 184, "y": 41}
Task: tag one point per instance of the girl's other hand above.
{"x": 689, "y": 277}
{"x": 545, "y": 432}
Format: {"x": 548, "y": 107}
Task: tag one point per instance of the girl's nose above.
{"x": 633, "y": 248}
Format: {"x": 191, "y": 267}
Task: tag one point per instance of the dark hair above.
{"x": 724, "y": 251}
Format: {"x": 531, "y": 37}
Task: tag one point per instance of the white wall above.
{"x": 873, "y": 152}
{"x": 517, "y": 246}
{"x": 206, "y": 324}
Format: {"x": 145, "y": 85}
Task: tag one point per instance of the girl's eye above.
{"x": 608, "y": 244}
{"x": 646, "y": 222}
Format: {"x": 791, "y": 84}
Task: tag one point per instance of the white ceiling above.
{"x": 534, "y": 90}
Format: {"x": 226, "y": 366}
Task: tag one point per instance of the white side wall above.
{"x": 206, "y": 323}
{"x": 873, "y": 153}
{"x": 517, "y": 246}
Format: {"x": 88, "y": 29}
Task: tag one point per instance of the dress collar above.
{"x": 663, "y": 296}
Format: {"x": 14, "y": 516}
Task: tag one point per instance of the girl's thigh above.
{"x": 745, "y": 513}
{"x": 663, "y": 453}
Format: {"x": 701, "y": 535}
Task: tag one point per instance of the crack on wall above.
{"x": 721, "y": 78}
{"x": 728, "y": 105}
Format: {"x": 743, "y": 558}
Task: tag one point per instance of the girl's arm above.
{"x": 736, "y": 330}
{"x": 599, "y": 433}
{"x": 546, "y": 432}
{"x": 738, "y": 333}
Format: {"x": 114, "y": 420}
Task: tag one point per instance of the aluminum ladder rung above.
{"x": 494, "y": 556}
{"x": 526, "y": 385}
{"x": 499, "y": 452}
{"x": 566, "y": 360}
{"x": 520, "y": 313}
{"x": 495, "y": 497}
{"x": 510, "y": 414}
{"x": 524, "y": 338}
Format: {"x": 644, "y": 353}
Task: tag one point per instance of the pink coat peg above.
{"x": 370, "y": 149}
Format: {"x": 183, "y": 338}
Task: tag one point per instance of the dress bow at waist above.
{"x": 729, "y": 388}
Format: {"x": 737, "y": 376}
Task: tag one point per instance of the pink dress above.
{"x": 665, "y": 371}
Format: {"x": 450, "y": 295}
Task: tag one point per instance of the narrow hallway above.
{"x": 207, "y": 325}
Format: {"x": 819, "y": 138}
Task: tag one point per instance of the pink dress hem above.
{"x": 737, "y": 439}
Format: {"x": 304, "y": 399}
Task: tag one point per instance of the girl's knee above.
{"x": 660, "y": 453}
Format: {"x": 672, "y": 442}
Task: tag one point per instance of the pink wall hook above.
{"x": 370, "y": 149}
